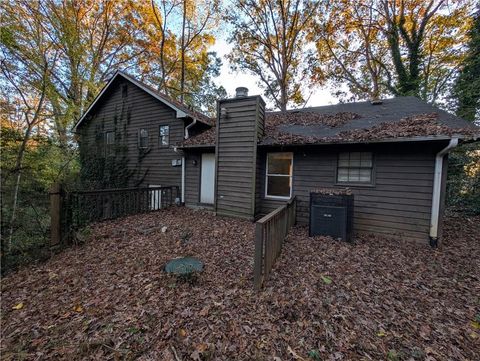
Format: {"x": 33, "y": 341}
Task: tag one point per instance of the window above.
{"x": 143, "y": 139}
{"x": 279, "y": 175}
{"x": 109, "y": 143}
{"x": 164, "y": 135}
{"x": 355, "y": 167}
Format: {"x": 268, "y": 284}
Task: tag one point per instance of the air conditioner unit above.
{"x": 331, "y": 215}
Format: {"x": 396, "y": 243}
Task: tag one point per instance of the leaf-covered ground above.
{"x": 376, "y": 299}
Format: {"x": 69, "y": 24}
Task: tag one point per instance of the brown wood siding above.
{"x": 399, "y": 201}
{"x": 236, "y": 150}
{"x": 144, "y": 112}
{"x": 192, "y": 179}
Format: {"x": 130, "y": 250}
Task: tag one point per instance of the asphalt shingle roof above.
{"x": 396, "y": 118}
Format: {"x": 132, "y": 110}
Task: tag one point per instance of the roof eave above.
{"x": 461, "y": 137}
{"x": 195, "y": 146}
{"x": 384, "y": 140}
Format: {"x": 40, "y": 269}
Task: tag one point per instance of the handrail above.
{"x": 267, "y": 217}
{"x": 117, "y": 190}
{"x": 270, "y": 232}
{"x": 75, "y": 209}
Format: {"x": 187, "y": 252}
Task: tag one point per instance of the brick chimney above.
{"x": 240, "y": 124}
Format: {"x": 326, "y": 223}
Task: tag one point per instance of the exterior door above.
{"x": 207, "y": 179}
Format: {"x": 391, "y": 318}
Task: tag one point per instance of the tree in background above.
{"x": 24, "y": 93}
{"x": 463, "y": 191}
{"x": 467, "y": 86}
{"x": 383, "y": 47}
{"x": 269, "y": 39}
{"x": 350, "y": 49}
{"x": 186, "y": 68}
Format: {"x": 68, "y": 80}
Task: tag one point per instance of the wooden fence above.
{"x": 73, "y": 210}
{"x": 270, "y": 232}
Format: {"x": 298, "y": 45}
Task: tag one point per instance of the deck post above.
{"x": 55, "y": 214}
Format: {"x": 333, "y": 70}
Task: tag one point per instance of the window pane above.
{"x": 110, "y": 143}
{"x": 353, "y": 174}
{"x": 365, "y": 175}
{"x": 366, "y": 159}
{"x": 143, "y": 138}
{"x": 279, "y": 163}
{"x": 110, "y": 137}
{"x": 343, "y": 162}
{"x": 164, "y": 135}
{"x": 355, "y": 159}
{"x": 342, "y": 175}
{"x": 278, "y": 186}
{"x": 164, "y": 130}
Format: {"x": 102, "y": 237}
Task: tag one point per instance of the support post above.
{"x": 55, "y": 214}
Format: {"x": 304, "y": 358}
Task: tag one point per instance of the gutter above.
{"x": 189, "y": 126}
{"x": 437, "y": 187}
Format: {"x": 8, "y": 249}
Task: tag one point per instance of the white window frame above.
{"x": 267, "y": 196}
{"x": 167, "y": 135}
{"x": 359, "y": 183}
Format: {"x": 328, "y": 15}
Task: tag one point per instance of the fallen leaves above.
{"x": 331, "y": 120}
{"x": 208, "y": 137}
{"x": 332, "y": 191}
{"x": 383, "y": 296}
{"x": 413, "y": 126}
{"x": 276, "y": 134}
{"x": 18, "y": 306}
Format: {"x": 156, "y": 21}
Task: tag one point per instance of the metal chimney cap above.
{"x": 241, "y": 92}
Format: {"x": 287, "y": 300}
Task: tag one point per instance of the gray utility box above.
{"x": 331, "y": 215}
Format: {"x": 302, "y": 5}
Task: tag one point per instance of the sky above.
{"x": 231, "y": 80}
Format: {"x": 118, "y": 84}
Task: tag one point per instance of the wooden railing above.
{"x": 73, "y": 210}
{"x": 270, "y": 232}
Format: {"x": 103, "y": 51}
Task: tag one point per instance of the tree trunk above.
{"x": 283, "y": 97}
{"x": 182, "y": 53}
{"x": 18, "y": 171}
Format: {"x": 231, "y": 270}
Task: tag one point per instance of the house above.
{"x": 391, "y": 154}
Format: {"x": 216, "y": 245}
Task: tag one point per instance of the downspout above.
{"x": 183, "y": 179}
{"x": 182, "y": 194}
{"x": 187, "y": 135}
{"x": 437, "y": 186}
{"x": 187, "y": 128}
